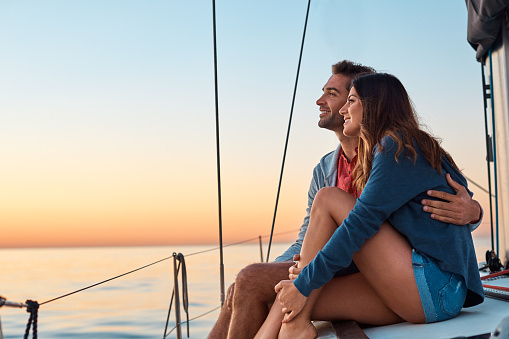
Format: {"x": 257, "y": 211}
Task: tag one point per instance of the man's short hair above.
{"x": 352, "y": 70}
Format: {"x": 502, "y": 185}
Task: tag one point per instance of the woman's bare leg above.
{"x": 315, "y": 239}
{"x": 321, "y": 227}
{"x": 388, "y": 302}
{"x": 271, "y": 326}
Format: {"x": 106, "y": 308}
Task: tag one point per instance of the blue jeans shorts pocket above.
{"x": 452, "y": 296}
{"x": 442, "y": 293}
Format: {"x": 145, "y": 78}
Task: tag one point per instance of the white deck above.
{"x": 476, "y": 320}
{"x": 471, "y": 321}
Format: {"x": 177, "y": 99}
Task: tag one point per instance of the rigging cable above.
{"x": 6, "y": 303}
{"x": 104, "y": 281}
{"x": 489, "y": 147}
{"x": 288, "y": 131}
{"x": 221, "y": 265}
{"x": 479, "y": 186}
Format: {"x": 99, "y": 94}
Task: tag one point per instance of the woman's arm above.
{"x": 391, "y": 185}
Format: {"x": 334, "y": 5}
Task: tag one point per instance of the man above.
{"x": 248, "y": 300}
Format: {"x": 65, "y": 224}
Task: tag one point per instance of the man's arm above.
{"x": 297, "y": 245}
{"x": 317, "y": 182}
{"x": 458, "y": 209}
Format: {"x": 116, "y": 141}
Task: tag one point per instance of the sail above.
{"x": 485, "y": 18}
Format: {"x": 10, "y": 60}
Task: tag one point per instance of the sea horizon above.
{"x": 482, "y": 238}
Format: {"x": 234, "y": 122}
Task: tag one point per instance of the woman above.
{"x": 412, "y": 268}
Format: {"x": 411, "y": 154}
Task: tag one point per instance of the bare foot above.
{"x": 298, "y": 329}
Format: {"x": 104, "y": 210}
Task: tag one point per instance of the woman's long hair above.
{"x": 388, "y": 111}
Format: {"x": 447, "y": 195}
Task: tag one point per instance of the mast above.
{"x": 498, "y": 71}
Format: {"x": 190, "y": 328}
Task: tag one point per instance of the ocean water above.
{"x": 132, "y": 306}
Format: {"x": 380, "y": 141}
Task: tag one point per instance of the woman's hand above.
{"x": 294, "y": 271}
{"x": 290, "y": 298}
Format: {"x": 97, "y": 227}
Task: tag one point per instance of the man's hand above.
{"x": 458, "y": 209}
{"x": 294, "y": 271}
{"x": 290, "y": 298}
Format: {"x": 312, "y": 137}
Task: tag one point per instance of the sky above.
{"x": 108, "y": 118}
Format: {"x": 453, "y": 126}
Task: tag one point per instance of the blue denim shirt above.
{"x": 325, "y": 174}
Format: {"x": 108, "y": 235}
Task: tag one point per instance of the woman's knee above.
{"x": 325, "y": 194}
{"x": 332, "y": 201}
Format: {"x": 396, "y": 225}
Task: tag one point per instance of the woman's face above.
{"x": 352, "y": 112}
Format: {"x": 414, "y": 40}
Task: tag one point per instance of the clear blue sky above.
{"x": 108, "y": 107}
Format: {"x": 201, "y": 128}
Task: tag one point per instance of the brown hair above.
{"x": 351, "y": 70}
{"x": 388, "y": 111}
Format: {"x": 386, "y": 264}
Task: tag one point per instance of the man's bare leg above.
{"x": 220, "y": 329}
{"x": 252, "y": 295}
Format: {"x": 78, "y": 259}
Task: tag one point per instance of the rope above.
{"x": 288, "y": 130}
{"x": 493, "y": 275}
{"x": 32, "y": 308}
{"x": 500, "y": 288}
{"x": 185, "y": 297}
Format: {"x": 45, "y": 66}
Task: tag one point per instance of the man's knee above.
{"x": 249, "y": 276}
{"x": 257, "y": 281}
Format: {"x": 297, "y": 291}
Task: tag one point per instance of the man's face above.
{"x": 333, "y": 98}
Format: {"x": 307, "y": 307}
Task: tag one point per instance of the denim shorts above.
{"x": 442, "y": 293}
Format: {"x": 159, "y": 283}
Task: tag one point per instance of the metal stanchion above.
{"x": 4, "y": 302}
{"x": 176, "y": 294}
{"x": 261, "y": 248}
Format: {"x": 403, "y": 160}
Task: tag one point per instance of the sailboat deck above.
{"x": 480, "y": 319}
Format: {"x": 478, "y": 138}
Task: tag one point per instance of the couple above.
{"x": 408, "y": 266}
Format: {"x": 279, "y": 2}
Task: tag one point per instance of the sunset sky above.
{"x": 108, "y": 130}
